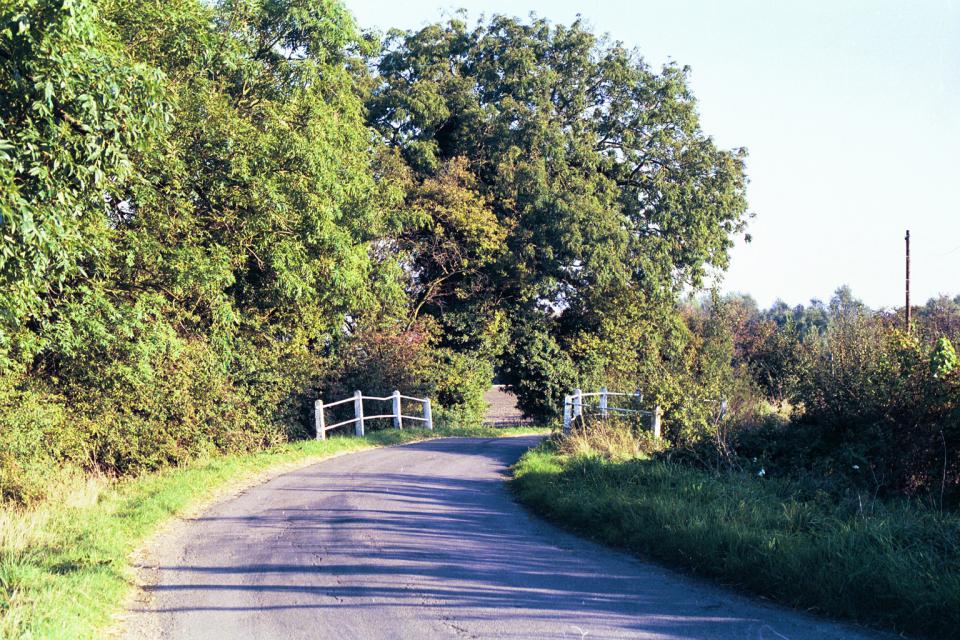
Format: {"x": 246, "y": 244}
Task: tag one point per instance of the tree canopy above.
{"x": 211, "y": 212}
{"x": 592, "y": 165}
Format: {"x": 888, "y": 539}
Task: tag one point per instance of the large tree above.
{"x": 74, "y": 110}
{"x": 594, "y": 165}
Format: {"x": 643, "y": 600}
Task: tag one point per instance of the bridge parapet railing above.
{"x": 359, "y": 418}
{"x": 574, "y": 406}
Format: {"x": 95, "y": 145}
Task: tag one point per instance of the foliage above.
{"x": 943, "y": 358}
{"x": 379, "y": 361}
{"x": 607, "y": 194}
{"x": 454, "y": 235}
{"x": 30, "y": 438}
{"x": 875, "y": 393}
{"x": 540, "y": 373}
{"x": 214, "y": 212}
{"x": 869, "y": 406}
{"x": 189, "y": 201}
{"x": 76, "y": 109}
{"x": 460, "y": 380}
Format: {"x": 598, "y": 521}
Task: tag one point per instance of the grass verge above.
{"x": 64, "y": 566}
{"x": 897, "y": 567}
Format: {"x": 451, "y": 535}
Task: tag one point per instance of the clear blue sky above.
{"x": 850, "y": 111}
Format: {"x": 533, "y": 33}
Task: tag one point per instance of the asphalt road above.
{"x": 424, "y": 541}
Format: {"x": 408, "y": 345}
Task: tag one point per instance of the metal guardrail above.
{"x": 358, "y": 416}
{"x": 573, "y": 405}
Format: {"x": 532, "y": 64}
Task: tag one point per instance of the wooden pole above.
{"x": 577, "y": 404}
{"x": 428, "y": 414}
{"x": 397, "y": 416}
{"x": 603, "y": 402}
{"x": 907, "y": 311}
{"x": 657, "y": 413}
{"x": 567, "y": 404}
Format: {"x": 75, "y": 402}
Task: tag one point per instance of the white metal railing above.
{"x": 358, "y": 416}
{"x": 573, "y": 405}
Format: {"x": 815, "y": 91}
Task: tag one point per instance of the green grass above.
{"x": 895, "y": 565}
{"x": 64, "y": 566}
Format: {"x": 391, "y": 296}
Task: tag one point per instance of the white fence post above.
{"x": 397, "y": 416}
{"x": 358, "y": 411}
{"x": 573, "y": 408}
{"x": 318, "y": 419}
{"x": 428, "y": 414}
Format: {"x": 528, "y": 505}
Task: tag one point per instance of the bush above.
{"x": 33, "y": 428}
{"x": 883, "y": 400}
{"x": 836, "y": 396}
{"x": 538, "y": 370}
{"x": 179, "y": 257}
{"x": 378, "y": 361}
{"x": 460, "y": 381}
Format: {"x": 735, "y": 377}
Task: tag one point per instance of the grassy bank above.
{"x": 64, "y": 566}
{"x": 896, "y": 565}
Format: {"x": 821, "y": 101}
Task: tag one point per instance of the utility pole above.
{"x": 907, "y": 313}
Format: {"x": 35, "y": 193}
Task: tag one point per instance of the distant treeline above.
{"x": 836, "y": 394}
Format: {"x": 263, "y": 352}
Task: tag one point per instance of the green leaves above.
{"x": 205, "y": 204}
{"x": 594, "y": 165}
{"x": 188, "y": 201}
{"x": 943, "y": 358}
{"x": 76, "y": 109}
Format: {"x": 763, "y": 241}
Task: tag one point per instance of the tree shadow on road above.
{"x": 368, "y": 543}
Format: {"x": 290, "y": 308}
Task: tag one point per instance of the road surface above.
{"x": 502, "y": 408}
{"x": 424, "y": 541}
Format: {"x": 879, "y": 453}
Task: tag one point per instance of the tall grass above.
{"x": 896, "y": 566}
{"x": 64, "y": 565}
{"x": 614, "y": 439}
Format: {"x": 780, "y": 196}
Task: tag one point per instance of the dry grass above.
{"x": 612, "y": 439}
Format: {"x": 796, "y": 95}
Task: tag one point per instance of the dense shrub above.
{"x": 379, "y": 361}
{"x": 885, "y": 401}
{"x": 842, "y": 398}
{"x": 33, "y": 431}
{"x": 539, "y": 372}
{"x": 186, "y": 215}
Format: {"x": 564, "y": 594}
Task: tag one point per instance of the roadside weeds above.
{"x": 898, "y": 568}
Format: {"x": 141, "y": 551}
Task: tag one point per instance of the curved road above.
{"x": 424, "y": 541}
